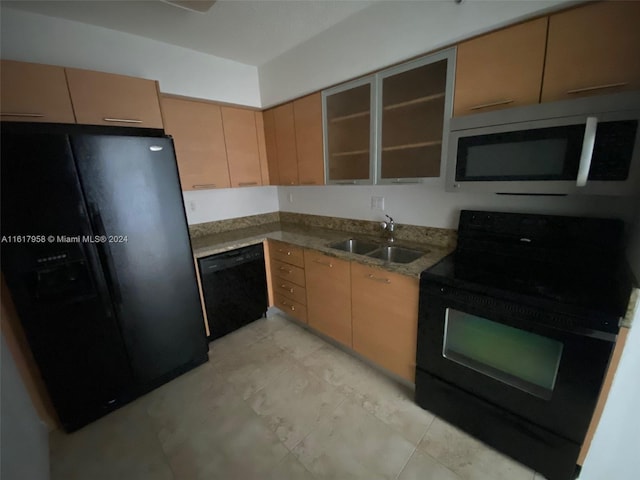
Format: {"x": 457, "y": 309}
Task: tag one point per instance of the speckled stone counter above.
{"x": 634, "y": 304}
{"x": 317, "y": 238}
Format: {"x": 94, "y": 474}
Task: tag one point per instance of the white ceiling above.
{"x": 247, "y": 31}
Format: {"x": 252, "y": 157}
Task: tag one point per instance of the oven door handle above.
{"x": 586, "y": 155}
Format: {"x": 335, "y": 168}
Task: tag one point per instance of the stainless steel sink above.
{"x": 396, "y": 254}
{"x": 353, "y": 245}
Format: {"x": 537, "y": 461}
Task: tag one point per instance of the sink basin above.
{"x": 396, "y": 254}
{"x": 354, "y": 245}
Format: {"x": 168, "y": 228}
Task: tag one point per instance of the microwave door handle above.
{"x": 587, "y": 151}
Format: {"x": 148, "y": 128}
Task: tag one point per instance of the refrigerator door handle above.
{"x": 106, "y": 260}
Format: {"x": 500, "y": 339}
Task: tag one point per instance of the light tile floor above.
{"x": 277, "y": 402}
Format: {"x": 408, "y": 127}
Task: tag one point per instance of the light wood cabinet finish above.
{"x": 501, "y": 69}
{"x": 108, "y": 99}
{"x": 285, "y": 136}
{"x": 592, "y": 50}
{"x": 34, "y": 93}
{"x": 241, "y": 140}
{"x": 288, "y": 253}
{"x": 290, "y": 290}
{"x": 328, "y": 295}
{"x": 308, "y": 126}
{"x": 271, "y": 146}
{"x": 291, "y": 307}
{"x": 385, "y": 318}
{"x": 198, "y": 136}
{"x": 288, "y": 272}
{"x": 265, "y": 173}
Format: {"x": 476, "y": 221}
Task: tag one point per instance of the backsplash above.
{"x": 207, "y": 228}
{"x": 442, "y": 237}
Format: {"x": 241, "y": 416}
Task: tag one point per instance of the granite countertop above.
{"x": 317, "y": 239}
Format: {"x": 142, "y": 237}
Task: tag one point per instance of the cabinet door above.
{"x": 328, "y": 295}
{"x": 198, "y": 136}
{"x": 385, "y": 318}
{"x": 34, "y": 93}
{"x": 592, "y": 50}
{"x": 271, "y": 146}
{"x": 308, "y": 123}
{"x": 241, "y": 139}
{"x": 107, "y": 99}
{"x": 415, "y": 100}
{"x": 285, "y": 135}
{"x": 265, "y": 173}
{"x": 500, "y": 69}
{"x": 349, "y": 124}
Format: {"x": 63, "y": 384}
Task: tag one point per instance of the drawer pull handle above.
{"x": 285, "y": 270}
{"x": 378, "y": 279}
{"x": 284, "y": 251}
{"x": 597, "y": 87}
{"x": 247, "y": 184}
{"x": 492, "y": 104}
{"x": 15, "y": 114}
{"x": 290, "y": 306}
{"x": 204, "y": 185}
{"x": 289, "y": 289}
{"x": 122, "y": 120}
{"x": 326, "y": 264}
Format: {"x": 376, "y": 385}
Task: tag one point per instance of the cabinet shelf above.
{"x": 415, "y": 101}
{"x": 411, "y": 145}
{"x": 346, "y": 154}
{"x": 350, "y": 116}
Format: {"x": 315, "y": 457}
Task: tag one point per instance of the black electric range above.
{"x": 516, "y": 329}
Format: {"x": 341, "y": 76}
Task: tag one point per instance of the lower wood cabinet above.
{"x": 328, "y": 284}
{"x": 287, "y": 279}
{"x": 385, "y": 318}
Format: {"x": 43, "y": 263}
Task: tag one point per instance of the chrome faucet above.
{"x": 388, "y": 228}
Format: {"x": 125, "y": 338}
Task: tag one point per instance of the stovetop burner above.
{"x": 557, "y": 268}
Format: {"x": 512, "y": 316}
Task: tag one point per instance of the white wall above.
{"x": 37, "y": 38}
{"x": 220, "y": 204}
{"x": 616, "y": 444}
{"x": 24, "y": 438}
{"x": 383, "y": 34}
{"x": 429, "y": 205}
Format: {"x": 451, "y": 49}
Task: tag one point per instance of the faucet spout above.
{"x": 388, "y": 228}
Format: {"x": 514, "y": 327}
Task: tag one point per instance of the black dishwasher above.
{"x": 234, "y": 285}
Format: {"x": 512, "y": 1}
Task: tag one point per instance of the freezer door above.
{"x": 56, "y": 281}
{"x": 135, "y": 201}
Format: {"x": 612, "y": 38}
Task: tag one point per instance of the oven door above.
{"x": 510, "y": 356}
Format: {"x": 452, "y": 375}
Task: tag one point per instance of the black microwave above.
{"x": 589, "y": 146}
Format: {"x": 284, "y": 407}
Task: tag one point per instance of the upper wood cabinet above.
{"x": 199, "y": 141}
{"x": 385, "y": 318}
{"x": 271, "y": 146}
{"x": 285, "y": 137}
{"x": 34, "y": 93}
{"x": 328, "y": 284}
{"x": 307, "y": 113}
{"x": 500, "y": 69}
{"x": 265, "y": 171}
{"x": 349, "y": 122}
{"x": 243, "y": 152}
{"x": 108, "y": 99}
{"x": 594, "y": 49}
{"x": 414, "y": 104}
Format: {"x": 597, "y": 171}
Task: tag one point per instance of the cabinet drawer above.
{"x": 291, "y": 307}
{"x": 287, "y": 253}
{"x": 284, "y": 271}
{"x": 290, "y": 290}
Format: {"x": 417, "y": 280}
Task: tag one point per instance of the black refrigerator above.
{"x": 96, "y": 254}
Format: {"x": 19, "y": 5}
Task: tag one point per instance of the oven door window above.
{"x": 519, "y": 358}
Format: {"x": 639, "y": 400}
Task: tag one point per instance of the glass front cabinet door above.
{"x": 415, "y": 104}
{"x": 388, "y": 127}
{"x": 349, "y": 120}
